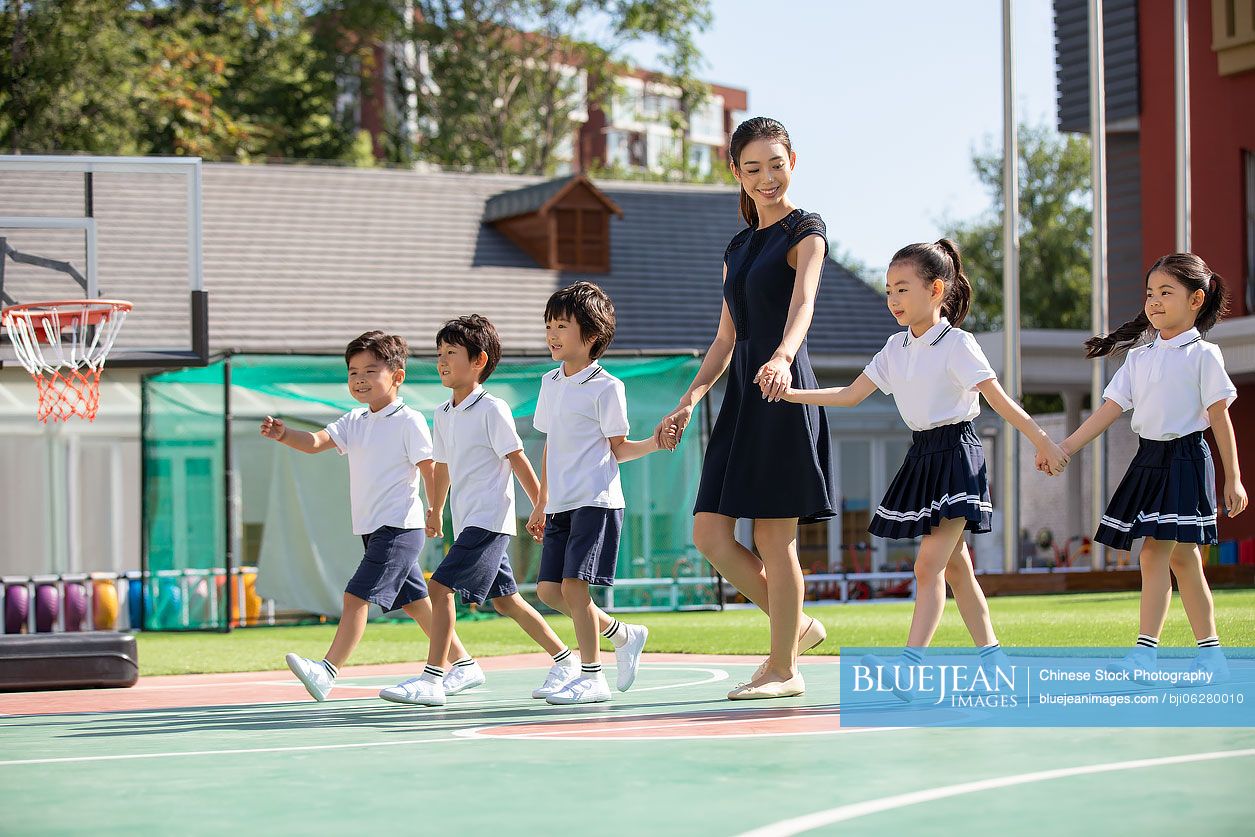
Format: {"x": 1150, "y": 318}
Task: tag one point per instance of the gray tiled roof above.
{"x": 303, "y": 259}
{"x": 526, "y": 199}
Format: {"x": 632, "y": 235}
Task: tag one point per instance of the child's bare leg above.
{"x": 420, "y": 611}
{"x": 584, "y": 615}
{"x": 349, "y": 631}
{"x": 550, "y": 592}
{"x": 969, "y": 597}
{"x": 515, "y": 607}
{"x": 1187, "y": 565}
{"x": 935, "y": 550}
{"x": 441, "y": 618}
{"x": 1155, "y": 559}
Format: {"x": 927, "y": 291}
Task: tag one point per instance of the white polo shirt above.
{"x": 578, "y": 415}
{"x": 384, "y": 450}
{"x": 473, "y": 439}
{"x": 1169, "y": 384}
{"x": 932, "y": 378}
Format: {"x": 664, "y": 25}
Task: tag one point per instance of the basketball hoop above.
{"x": 63, "y": 345}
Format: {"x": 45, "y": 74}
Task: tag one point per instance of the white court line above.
{"x": 844, "y": 813}
{"x": 132, "y": 756}
{"x": 454, "y": 737}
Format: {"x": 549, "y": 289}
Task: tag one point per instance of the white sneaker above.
{"x": 461, "y": 678}
{"x": 628, "y": 655}
{"x": 582, "y": 690}
{"x": 886, "y": 673}
{"x": 317, "y": 679}
{"x": 416, "y": 692}
{"x": 995, "y": 662}
{"x": 1209, "y": 661}
{"x": 1136, "y": 662}
{"x": 559, "y": 675}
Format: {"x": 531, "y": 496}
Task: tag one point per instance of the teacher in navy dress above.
{"x": 766, "y": 461}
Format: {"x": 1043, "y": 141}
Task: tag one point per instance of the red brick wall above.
{"x": 1222, "y": 124}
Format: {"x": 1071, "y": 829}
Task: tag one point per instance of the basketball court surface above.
{"x": 204, "y": 754}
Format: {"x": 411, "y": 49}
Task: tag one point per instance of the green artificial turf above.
{"x": 1088, "y": 619}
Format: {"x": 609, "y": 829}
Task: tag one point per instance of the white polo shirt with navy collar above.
{"x": 474, "y": 438}
{"x": 1169, "y": 384}
{"x": 578, "y": 415}
{"x": 384, "y": 449}
{"x": 933, "y": 377}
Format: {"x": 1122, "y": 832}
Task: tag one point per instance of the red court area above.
{"x": 363, "y": 682}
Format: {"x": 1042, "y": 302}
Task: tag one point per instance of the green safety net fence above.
{"x": 286, "y": 514}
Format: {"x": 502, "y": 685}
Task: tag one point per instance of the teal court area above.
{"x": 208, "y": 754}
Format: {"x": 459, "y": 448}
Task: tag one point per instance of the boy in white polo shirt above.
{"x": 582, "y": 410}
{"x": 388, "y": 447}
{"x": 476, "y": 447}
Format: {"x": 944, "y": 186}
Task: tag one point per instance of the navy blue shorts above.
{"x": 478, "y": 566}
{"x": 389, "y": 575}
{"x": 582, "y": 543}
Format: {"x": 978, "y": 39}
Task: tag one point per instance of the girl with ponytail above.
{"x": 936, "y": 373}
{"x": 1176, "y": 386}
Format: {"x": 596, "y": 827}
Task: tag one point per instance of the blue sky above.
{"x": 885, "y": 101}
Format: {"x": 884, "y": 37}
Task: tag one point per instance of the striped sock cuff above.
{"x": 331, "y": 669}
{"x": 915, "y": 656}
{"x": 590, "y": 668}
{"x": 613, "y": 629}
{"x": 562, "y": 655}
{"x": 1209, "y": 642}
{"x": 989, "y": 649}
{"x": 465, "y": 661}
{"x": 434, "y": 671}
{"x": 1147, "y": 641}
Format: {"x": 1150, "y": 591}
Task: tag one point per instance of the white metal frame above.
{"x": 188, "y": 167}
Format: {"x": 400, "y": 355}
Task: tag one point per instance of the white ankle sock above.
{"x": 616, "y": 633}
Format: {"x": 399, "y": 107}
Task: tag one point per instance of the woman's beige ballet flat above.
{"x": 792, "y": 687}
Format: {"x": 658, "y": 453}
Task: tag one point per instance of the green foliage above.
{"x": 1055, "y": 219}
{"x": 224, "y": 80}
{"x": 487, "y": 84}
{"x": 479, "y": 84}
{"x": 69, "y": 72}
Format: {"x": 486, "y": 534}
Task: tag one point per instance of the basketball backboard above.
{"x": 116, "y": 227}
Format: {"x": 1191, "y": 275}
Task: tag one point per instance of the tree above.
{"x": 240, "y": 79}
{"x": 68, "y": 73}
{"x": 1055, "y": 229}
{"x": 234, "y": 79}
{"x": 494, "y": 83}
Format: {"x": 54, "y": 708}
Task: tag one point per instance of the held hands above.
{"x": 273, "y": 428}
{"x": 435, "y": 522}
{"x": 536, "y": 524}
{"x": 1051, "y": 458}
{"x": 774, "y": 377}
{"x": 1234, "y": 498}
{"x": 670, "y": 430}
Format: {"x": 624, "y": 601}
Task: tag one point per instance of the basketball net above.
{"x": 63, "y": 345}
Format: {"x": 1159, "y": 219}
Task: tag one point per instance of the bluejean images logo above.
{"x": 1051, "y": 687}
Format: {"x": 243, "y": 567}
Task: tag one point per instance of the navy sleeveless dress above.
{"x": 764, "y": 459}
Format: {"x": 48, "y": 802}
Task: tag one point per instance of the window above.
{"x": 706, "y": 122}
{"x": 583, "y": 239}
{"x": 700, "y": 157}
{"x": 625, "y": 149}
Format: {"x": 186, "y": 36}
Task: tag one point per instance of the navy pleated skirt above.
{"x": 1168, "y": 493}
{"x": 943, "y": 477}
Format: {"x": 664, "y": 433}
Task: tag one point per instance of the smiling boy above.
{"x": 388, "y": 447}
